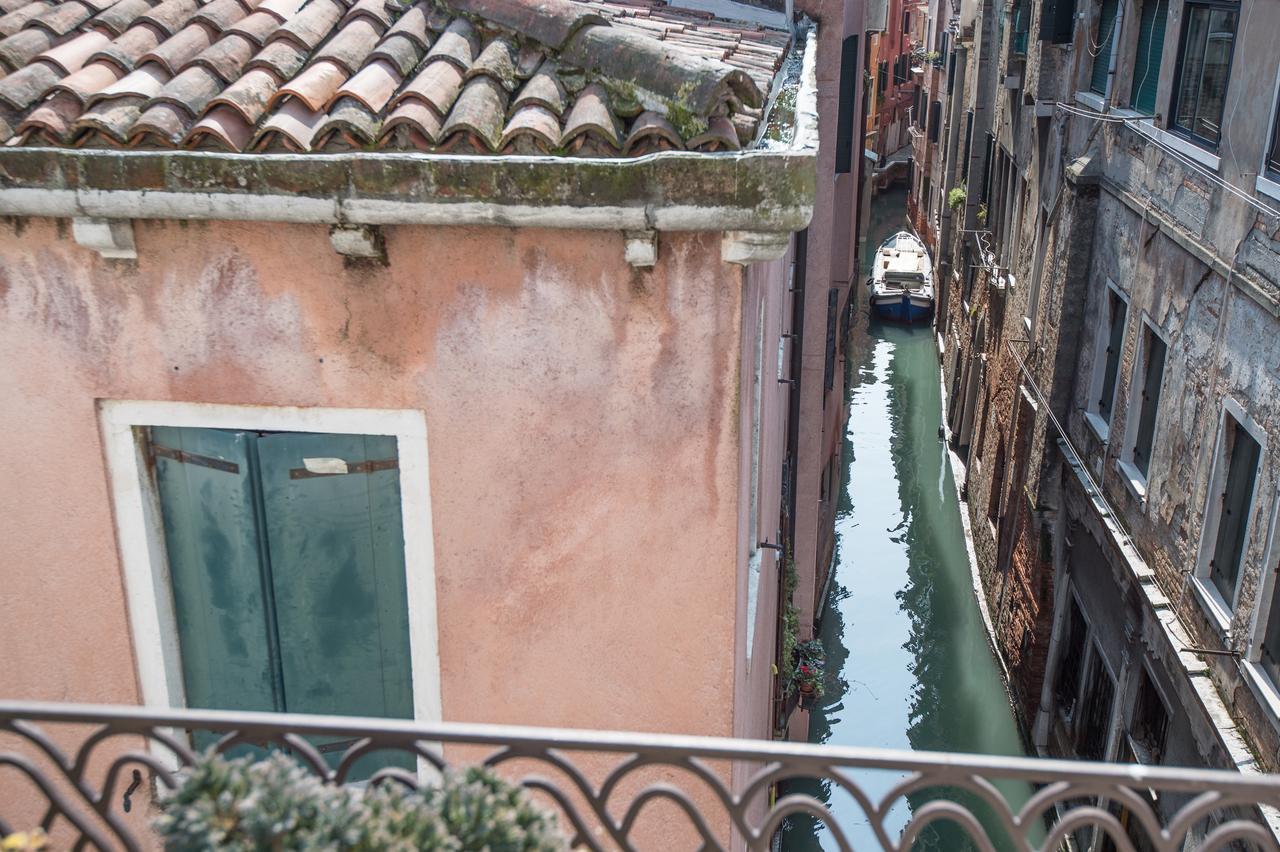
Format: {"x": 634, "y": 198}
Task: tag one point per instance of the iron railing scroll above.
{"x": 84, "y": 766}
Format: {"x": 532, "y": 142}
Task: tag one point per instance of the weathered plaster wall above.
{"x": 583, "y": 443}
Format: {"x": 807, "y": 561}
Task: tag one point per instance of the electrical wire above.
{"x": 1137, "y": 123}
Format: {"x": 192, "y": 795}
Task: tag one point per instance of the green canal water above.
{"x": 907, "y": 657}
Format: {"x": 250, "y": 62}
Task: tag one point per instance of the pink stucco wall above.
{"x": 584, "y": 443}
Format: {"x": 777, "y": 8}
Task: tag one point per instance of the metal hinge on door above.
{"x": 184, "y": 457}
{"x": 338, "y": 467}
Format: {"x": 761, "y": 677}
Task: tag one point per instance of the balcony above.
{"x": 86, "y": 773}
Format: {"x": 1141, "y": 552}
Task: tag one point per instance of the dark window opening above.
{"x": 850, "y": 78}
{"x": 1067, "y": 686}
{"x": 1236, "y": 498}
{"x": 1150, "y": 725}
{"x": 1204, "y": 69}
{"x": 1057, "y": 21}
{"x": 935, "y": 120}
{"x": 1117, "y": 313}
{"x": 1095, "y": 716}
{"x": 1153, "y": 375}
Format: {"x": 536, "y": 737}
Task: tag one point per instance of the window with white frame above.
{"x": 1149, "y": 721}
{"x": 1204, "y": 69}
{"x": 1273, "y": 149}
{"x": 1225, "y": 533}
{"x": 1144, "y": 410}
{"x": 1269, "y": 648}
{"x": 1108, "y": 348}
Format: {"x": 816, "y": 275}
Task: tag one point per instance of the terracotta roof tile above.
{"x": 313, "y": 86}
{"x": 191, "y": 90}
{"x": 52, "y": 120}
{"x": 291, "y": 126}
{"x": 458, "y": 44}
{"x": 256, "y": 27}
{"x": 145, "y": 82}
{"x": 13, "y": 21}
{"x": 592, "y": 119}
{"x": 71, "y": 55}
{"x": 412, "y": 124}
{"x": 22, "y": 47}
{"x": 163, "y": 125}
{"x": 373, "y": 86}
{"x": 532, "y": 129}
{"x": 110, "y": 120}
{"x": 478, "y": 112}
{"x": 125, "y": 51}
{"x": 24, "y": 87}
{"x": 543, "y": 89}
{"x": 310, "y": 26}
{"x": 222, "y": 127}
{"x": 477, "y": 76}
{"x": 498, "y": 60}
{"x": 171, "y": 16}
{"x": 249, "y": 95}
{"x": 175, "y": 51}
{"x": 353, "y": 43}
{"x": 400, "y": 51}
{"x": 652, "y": 132}
{"x": 93, "y": 77}
{"x": 227, "y": 57}
{"x": 219, "y": 15}
{"x": 119, "y": 16}
{"x": 437, "y": 84}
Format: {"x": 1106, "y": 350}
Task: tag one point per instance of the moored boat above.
{"x": 902, "y": 280}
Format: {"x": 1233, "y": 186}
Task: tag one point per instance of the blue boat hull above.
{"x": 901, "y": 310}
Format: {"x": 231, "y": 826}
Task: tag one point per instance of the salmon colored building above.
{"x": 390, "y": 360}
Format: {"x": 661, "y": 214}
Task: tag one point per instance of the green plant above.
{"x": 810, "y": 669}
{"x": 933, "y": 57}
{"x": 956, "y": 197}
{"x": 276, "y": 804}
{"x": 982, "y": 214}
{"x": 790, "y": 625}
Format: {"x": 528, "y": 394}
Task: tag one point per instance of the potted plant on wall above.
{"x": 809, "y": 670}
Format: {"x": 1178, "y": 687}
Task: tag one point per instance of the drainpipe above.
{"x": 1111, "y": 64}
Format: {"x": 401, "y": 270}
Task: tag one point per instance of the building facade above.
{"x": 396, "y": 382}
{"x": 1102, "y": 192}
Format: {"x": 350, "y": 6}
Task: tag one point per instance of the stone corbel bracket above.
{"x": 748, "y": 247}
{"x": 111, "y": 238}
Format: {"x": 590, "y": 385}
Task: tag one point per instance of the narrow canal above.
{"x": 907, "y": 657}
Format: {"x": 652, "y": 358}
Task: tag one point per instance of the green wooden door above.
{"x": 337, "y": 564}
{"x": 205, "y": 479}
{"x": 286, "y": 552}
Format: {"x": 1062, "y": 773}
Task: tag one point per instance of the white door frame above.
{"x": 140, "y": 530}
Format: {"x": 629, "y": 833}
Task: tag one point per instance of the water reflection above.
{"x": 908, "y": 661}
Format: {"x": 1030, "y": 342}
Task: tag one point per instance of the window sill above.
{"x": 1269, "y": 188}
{"x": 1190, "y": 150}
{"x": 1133, "y": 480}
{"x": 1212, "y": 603}
{"x": 1092, "y": 100}
{"x": 1098, "y": 425}
{"x": 1264, "y": 690}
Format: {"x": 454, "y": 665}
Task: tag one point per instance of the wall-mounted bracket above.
{"x": 358, "y": 241}
{"x": 111, "y": 238}
{"x": 747, "y": 247}
{"x": 642, "y": 248}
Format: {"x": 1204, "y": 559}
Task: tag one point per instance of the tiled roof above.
{"x": 621, "y": 77}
